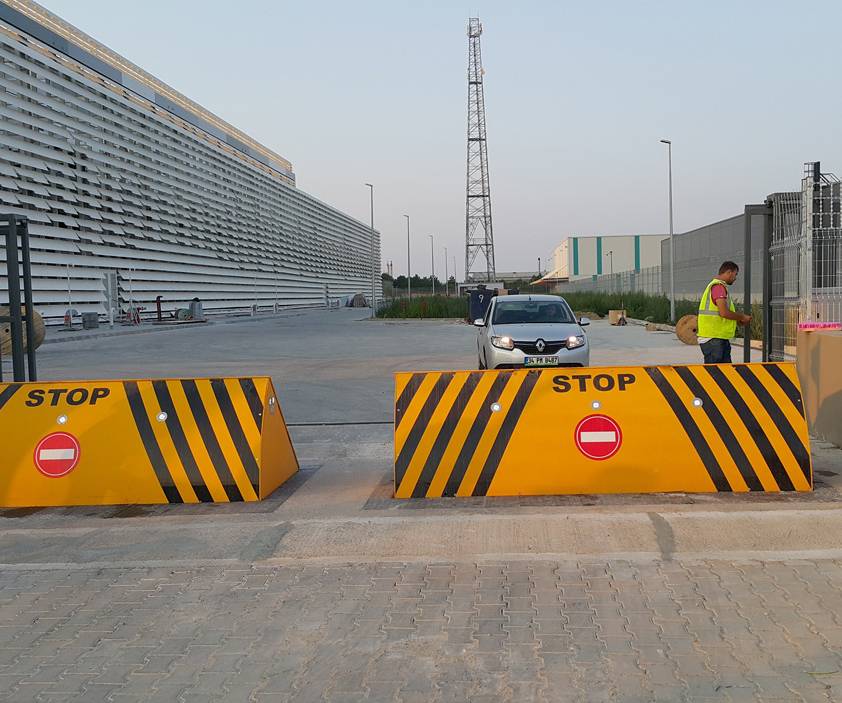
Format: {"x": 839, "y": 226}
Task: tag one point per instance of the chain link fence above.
{"x": 646, "y": 280}
{"x": 785, "y": 272}
{"x": 805, "y": 258}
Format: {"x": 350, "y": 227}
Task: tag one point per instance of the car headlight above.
{"x": 503, "y": 342}
{"x": 576, "y": 341}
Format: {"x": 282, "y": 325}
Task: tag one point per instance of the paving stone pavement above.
{"x": 494, "y": 631}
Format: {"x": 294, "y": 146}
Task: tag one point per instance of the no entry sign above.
{"x": 57, "y": 454}
{"x": 598, "y": 437}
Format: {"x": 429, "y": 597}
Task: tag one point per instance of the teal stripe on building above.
{"x": 598, "y": 256}
{"x": 637, "y": 252}
{"x": 575, "y": 256}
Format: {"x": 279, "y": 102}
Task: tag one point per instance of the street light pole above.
{"x": 432, "y": 264}
{"x": 446, "y": 276}
{"x": 408, "y": 263}
{"x": 672, "y": 242}
{"x": 610, "y": 256}
{"x": 373, "y": 269}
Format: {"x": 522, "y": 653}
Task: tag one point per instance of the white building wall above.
{"x": 560, "y": 266}
{"x": 113, "y": 183}
{"x": 596, "y": 255}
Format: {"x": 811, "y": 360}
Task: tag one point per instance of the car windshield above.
{"x": 531, "y": 311}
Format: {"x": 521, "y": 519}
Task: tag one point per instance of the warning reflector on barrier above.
{"x": 703, "y": 428}
{"x": 146, "y": 441}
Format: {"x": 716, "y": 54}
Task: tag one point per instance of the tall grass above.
{"x": 640, "y": 306}
{"x": 652, "y": 308}
{"x": 426, "y": 306}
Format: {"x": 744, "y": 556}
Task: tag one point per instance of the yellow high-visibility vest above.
{"x": 710, "y": 324}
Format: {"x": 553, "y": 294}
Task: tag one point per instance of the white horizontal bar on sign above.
{"x": 607, "y": 436}
{"x": 56, "y": 454}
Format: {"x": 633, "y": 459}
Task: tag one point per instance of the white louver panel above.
{"x": 112, "y": 183}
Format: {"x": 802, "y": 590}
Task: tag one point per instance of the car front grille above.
{"x": 530, "y": 348}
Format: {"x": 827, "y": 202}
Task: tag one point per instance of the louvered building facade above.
{"x": 124, "y": 180}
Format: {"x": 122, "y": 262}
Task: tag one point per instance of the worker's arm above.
{"x": 722, "y": 305}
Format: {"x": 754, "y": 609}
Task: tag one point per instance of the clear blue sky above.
{"x": 578, "y": 95}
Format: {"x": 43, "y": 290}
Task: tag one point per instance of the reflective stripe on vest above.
{"x": 710, "y": 323}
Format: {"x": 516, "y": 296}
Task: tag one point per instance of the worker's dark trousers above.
{"x": 716, "y": 351}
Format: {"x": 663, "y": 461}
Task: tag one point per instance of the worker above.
{"x": 718, "y": 319}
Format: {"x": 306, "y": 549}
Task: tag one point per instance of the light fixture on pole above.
{"x": 408, "y": 262}
{"x": 672, "y": 248}
{"x": 373, "y": 269}
{"x": 432, "y": 264}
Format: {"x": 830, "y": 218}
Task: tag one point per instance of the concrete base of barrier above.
{"x": 725, "y": 428}
{"x": 821, "y": 378}
{"x": 148, "y": 441}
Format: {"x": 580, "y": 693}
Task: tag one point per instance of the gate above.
{"x": 805, "y": 258}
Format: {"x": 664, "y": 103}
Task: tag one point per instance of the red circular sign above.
{"x": 598, "y": 437}
{"x": 57, "y": 454}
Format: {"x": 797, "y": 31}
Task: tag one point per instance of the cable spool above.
{"x": 6, "y": 332}
{"x": 687, "y": 329}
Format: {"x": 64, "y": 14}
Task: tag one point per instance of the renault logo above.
{"x": 540, "y": 345}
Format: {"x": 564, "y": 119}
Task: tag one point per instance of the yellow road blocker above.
{"x": 557, "y": 431}
{"x": 157, "y": 441}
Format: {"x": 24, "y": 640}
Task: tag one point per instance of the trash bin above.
{"x": 478, "y": 302}
{"x": 90, "y": 320}
{"x": 196, "y": 311}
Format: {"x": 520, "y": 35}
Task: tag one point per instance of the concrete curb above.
{"x": 149, "y": 328}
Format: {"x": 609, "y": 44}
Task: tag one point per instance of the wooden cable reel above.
{"x": 6, "y": 332}
{"x": 686, "y": 329}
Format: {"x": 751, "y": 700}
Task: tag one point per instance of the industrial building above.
{"x": 132, "y": 188}
{"x": 578, "y": 258}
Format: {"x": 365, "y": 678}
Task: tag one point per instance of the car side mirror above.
{"x": 584, "y": 321}
{"x": 479, "y": 323}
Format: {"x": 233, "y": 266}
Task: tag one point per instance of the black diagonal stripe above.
{"x": 721, "y": 426}
{"x": 446, "y": 432}
{"x": 421, "y": 422}
{"x": 787, "y": 386}
{"x": 796, "y": 446}
{"x": 150, "y": 444}
{"x": 770, "y": 456}
{"x": 209, "y": 438}
{"x": 179, "y": 440}
{"x": 253, "y": 400}
{"x": 241, "y": 444}
{"x": 406, "y": 396}
{"x": 492, "y": 463}
{"x": 7, "y": 393}
{"x": 697, "y": 439}
{"x": 475, "y": 433}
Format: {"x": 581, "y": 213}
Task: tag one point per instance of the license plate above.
{"x": 541, "y": 361}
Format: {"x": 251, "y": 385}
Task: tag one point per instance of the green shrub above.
{"x": 640, "y": 306}
{"x": 652, "y": 308}
{"x": 426, "y": 306}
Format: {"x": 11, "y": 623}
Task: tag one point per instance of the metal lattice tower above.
{"x": 479, "y": 238}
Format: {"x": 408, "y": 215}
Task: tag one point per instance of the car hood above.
{"x": 531, "y": 332}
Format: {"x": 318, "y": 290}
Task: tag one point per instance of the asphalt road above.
{"x": 331, "y": 366}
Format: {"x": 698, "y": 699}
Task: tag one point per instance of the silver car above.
{"x": 531, "y": 331}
